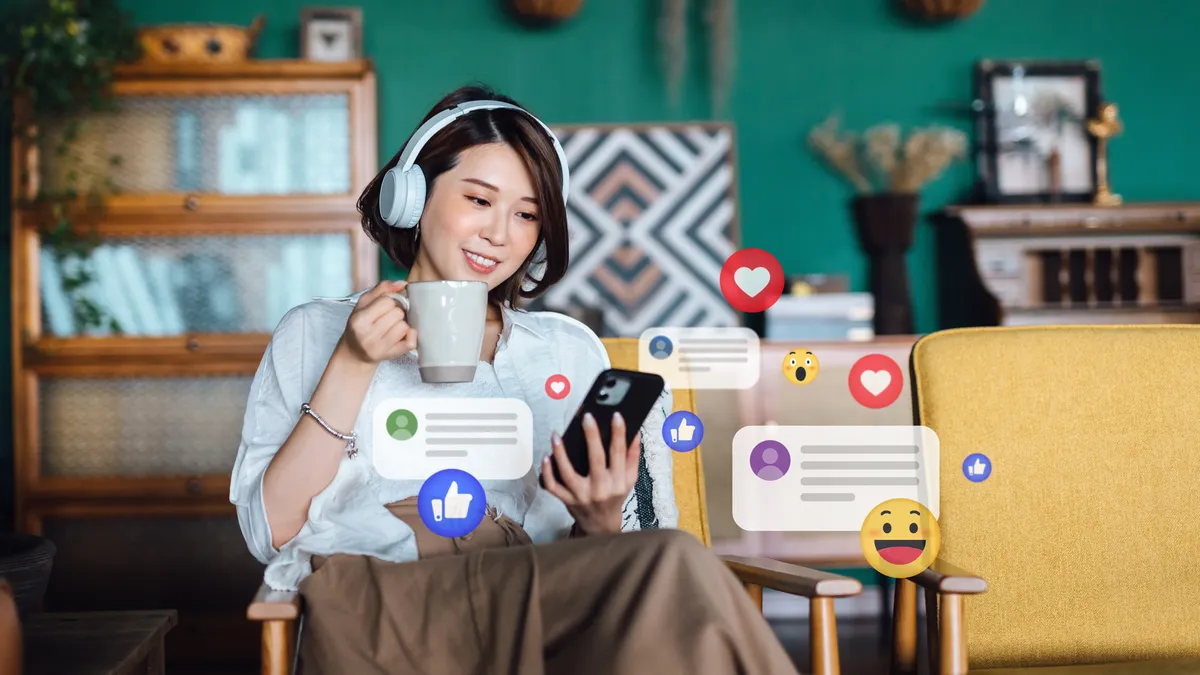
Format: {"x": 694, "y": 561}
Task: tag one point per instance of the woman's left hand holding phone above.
{"x": 595, "y": 501}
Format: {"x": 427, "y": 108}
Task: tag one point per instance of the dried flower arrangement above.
{"x": 883, "y": 158}
{"x": 720, "y": 16}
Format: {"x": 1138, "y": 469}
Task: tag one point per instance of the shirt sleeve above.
{"x": 272, "y": 410}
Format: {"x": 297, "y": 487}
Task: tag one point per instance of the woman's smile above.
{"x": 479, "y": 263}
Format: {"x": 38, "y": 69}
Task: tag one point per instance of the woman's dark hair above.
{"x": 441, "y": 153}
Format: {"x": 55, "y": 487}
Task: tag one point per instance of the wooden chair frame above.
{"x": 945, "y": 587}
{"x": 281, "y": 612}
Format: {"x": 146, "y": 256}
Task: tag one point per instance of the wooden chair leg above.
{"x": 885, "y": 609}
{"x": 278, "y": 643}
{"x": 932, "y": 634}
{"x": 904, "y": 629}
{"x": 755, "y": 591}
{"x": 952, "y": 636}
{"x": 823, "y": 637}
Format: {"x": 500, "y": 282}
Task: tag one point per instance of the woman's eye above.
{"x": 478, "y": 200}
{"x": 527, "y": 216}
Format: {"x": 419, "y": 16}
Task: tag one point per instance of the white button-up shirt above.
{"x": 350, "y": 515}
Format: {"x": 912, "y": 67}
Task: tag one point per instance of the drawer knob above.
{"x": 193, "y": 345}
{"x": 191, "y": 203}
{"x": 194, "y": 486}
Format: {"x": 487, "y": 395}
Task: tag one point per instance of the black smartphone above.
{"x": 629, "y": 392}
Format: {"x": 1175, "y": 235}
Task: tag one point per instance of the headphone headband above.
{"x": 443, "y": 119}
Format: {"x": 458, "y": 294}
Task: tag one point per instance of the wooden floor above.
{"x": 861, "y": 647}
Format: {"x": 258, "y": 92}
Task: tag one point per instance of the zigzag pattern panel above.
{"x": 653, "y": 217}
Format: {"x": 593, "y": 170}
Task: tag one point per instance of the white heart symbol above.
{"x": 875, "y": 381}
{"x": 557, "y": 387}
{"x": 752, "y": 281}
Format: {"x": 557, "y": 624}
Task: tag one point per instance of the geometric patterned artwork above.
{"x": 652, "y": 216}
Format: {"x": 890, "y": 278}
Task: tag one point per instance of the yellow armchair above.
{"x": 1081, "y": 546}
{"x": 281, "y": 612}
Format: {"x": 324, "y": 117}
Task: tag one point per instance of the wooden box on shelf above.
{"x": 1136, "y": 263}
{"x": 235, "y": 201}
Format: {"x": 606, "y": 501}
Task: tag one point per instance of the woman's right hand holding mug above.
{"x": 377, "y": 329}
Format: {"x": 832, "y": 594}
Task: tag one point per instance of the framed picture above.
{"x": 653, "y": 215}
{"x": 331, "y": 33}
{"x": 1031, "y": 118}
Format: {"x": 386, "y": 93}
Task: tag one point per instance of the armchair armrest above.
{"x": 819, "y": 587}
{"x": 279, "y": 612}
{"x": 792, "y": 579}
{"x": 944, "y": 577}
{"x": 272, "y": 605}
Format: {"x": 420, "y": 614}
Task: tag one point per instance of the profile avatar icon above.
{"x": 660, "y": 347}
{"x": 402, "y": 425}
{"x": 770, "y": 460}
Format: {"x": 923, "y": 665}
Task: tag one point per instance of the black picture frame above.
{"x": 988, "y": 143}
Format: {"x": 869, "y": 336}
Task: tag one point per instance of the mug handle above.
{"x": 400, "y": 298}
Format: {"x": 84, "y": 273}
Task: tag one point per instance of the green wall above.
{"x": 797, "y": 61}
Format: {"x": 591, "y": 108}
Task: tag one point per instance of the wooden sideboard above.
{"x": 1135, "y": 263}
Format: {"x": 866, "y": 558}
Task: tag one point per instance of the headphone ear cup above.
{"x": 414, "y": 205}
{"x": 402, "y": 197}
{"x": 391, "y": 198}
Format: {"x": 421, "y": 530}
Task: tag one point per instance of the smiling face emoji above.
{"x": 800, "y": 367}
{"x": 900, "y": 538}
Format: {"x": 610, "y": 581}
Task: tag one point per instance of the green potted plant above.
{"x": 888, "y": 170}
{"x": 56, "y": 66}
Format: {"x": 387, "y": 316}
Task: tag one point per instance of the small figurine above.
{"x": 1105, "y": 127}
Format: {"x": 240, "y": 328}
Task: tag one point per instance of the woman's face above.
{"x": 481, "y": 220}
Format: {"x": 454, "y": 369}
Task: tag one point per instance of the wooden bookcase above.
{"x": 235, "y": 201}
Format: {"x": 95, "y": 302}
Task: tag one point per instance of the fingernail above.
{"x": 589, "y": 420}
{"x": 556, "y": 440}
{"x": 618, "y": 418}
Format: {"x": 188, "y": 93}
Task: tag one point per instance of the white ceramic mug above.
{"x": 450, "y": 317}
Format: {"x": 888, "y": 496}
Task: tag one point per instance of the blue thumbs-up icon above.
{"x": 977, "y": 467}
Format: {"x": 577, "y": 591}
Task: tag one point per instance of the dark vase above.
{"x": 886, "y": 224}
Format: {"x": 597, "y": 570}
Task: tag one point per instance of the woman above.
{"x": 548, "y": 583}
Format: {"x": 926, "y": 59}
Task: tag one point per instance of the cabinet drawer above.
{"x": 999, "y": 260}
{"x": 163, "y": 286}
{"x": 94, "y": 427}
{"x": 1010, "y": 292}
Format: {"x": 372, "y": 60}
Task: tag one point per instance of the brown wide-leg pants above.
{"x": 654, "y": 602}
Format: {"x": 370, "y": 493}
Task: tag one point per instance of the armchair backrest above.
{"x": 688, "y": 473}
{"x": 1087, "y": 530}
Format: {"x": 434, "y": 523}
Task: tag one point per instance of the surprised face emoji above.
{"x": 900, "y": 538}
{"x": 800, "y": 367}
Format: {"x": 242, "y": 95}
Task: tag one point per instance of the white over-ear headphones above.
{"x": 402, "y": 195}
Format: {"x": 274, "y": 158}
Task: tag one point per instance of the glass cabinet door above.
{"x": 243, "y": 144}
{"x": 177, "y": 285}
{"x": 140, "y": 426}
